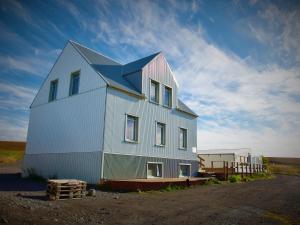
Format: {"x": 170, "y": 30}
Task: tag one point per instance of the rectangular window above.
{"x": 154, "y": 170}
{"x": 184, "y": 170}
{"x": 154, "y": 91}
{"x": 74, "y": 84}
{"x": 182, "y": 138}
{"x": 53, "y": 90}
{"x": 131, "y": 133}
{"x": 167, "y": 97}
{"x": 160, "y": 133}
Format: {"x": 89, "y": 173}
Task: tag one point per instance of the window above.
{"x": 160, "y": 134}
{"x": 74, "y": 84}
{"x": 131, "y": 133}
{"x": 154, "y": 91}
{"x": 168, "y": 97}
{"x": 53, "y": 90}
{"x": 184, "y": 170}
{"x": 182, "y": 138}
{"x": 154, "y": 170}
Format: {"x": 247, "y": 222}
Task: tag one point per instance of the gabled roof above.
{"x": 184, "y": 108}
{"x": 113, "y": 72}
{"x": 138, "y": 64}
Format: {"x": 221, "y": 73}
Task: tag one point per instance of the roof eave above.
{"x": 191, "y": 114}
{"x": 140, "y": 96}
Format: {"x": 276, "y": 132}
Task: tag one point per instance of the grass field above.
{"x": 11, "y": 151}
{"x": 281, "y": 165}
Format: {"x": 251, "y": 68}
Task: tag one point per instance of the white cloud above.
{"x": 205, "y": 73}
{"x": 15, "y": 129}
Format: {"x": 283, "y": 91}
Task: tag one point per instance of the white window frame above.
{"x": 162, "y": 170}
{"x": 51, "y": 82}
{"x": 181, "y": 148}
{"x": 164, "y": 135}
{"x": 184, "y": 164}
{"x": 77, "y": 72}
{"x": 171, "y": 97}
{"x": 158, "y": 92}
{"x": 125, "y": 131}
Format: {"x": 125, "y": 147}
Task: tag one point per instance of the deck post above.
{"x": 246, "y": 169}
{"x": 237, "y": 166}
{"x": 250, "y": 168}
{"x": 224, "y": 169}
{"x": 242, "y": 169}
{"x": 232, "y": 168}
{"x": 227, "y": 170}
{"x": 212, "y": 164}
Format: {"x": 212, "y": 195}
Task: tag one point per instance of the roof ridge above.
{"x": 140, "y": 59}
{"x": 95, "y": 52}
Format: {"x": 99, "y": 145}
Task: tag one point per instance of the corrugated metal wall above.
{"x": 118, "y": 104}
{"x": 135, "y": 167}
{"x": 85, "y": 166}
{"x": 69, "y": 61}
{"x": 217, "y": 157}
{"x": 158, "y": 69}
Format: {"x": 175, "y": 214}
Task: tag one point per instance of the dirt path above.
{"x": 274, "y": 201}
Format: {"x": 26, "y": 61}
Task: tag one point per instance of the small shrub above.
{"x": 32, "y": 175}
{"x": 235, "y": 178}
{"x": 212, "y": 181}
{"x": 173, "y": 188}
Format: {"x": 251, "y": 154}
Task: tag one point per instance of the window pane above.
{"x": 53, "y": 90}
{"x": 167, "y": 97}
{"x": 74, "y": 86}
{"x": 160, "y": 133}
{"x": 154, "y": 92}
{"x": 131, "y": 128}
{"x": 154, "y": 170}
{"x": 184, "y": 170}
{"x": 182, "y": 138}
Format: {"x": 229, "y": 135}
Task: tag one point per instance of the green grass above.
{"x": 10, "y": 156}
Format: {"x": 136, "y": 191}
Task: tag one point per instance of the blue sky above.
{"x": 237, "y": 62}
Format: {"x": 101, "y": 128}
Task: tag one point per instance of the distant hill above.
{"x": 12, "y": 145}
{"x": 284, "y": 161}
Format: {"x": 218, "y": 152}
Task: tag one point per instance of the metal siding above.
{"x": 85, "y": 166}
{"x": 73, "y": 124}
{"x": 69, "y": 61}
{"x": 159, "y": 70}
{"x": 135, "y": 167}
{"x": 119, "y": 104}
{"x": 217, "y": 157}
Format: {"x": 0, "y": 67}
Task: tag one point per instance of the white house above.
{"x": 95, "y": 118}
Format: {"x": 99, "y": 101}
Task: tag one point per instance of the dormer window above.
{"x": 154, "y": 91}
{"x": 167, "y": 97}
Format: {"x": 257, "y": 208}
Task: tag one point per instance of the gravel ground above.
{"x": 275, "y": 201}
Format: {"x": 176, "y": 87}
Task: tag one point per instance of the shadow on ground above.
{"x": 14, "y": 182}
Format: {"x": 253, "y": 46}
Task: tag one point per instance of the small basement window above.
{"x": 154, "y": 170}
{"x": 154, "y": 91}
{"x": 131, "y": 131}
{"x": 74, "y": 84}
{"x": 184, "y": 170}
{"x": 53, "y": 90}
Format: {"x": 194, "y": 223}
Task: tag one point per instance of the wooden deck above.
{"x": 150, "y": 184}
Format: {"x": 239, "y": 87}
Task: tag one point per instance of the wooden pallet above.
{"x": 66, "y": 189}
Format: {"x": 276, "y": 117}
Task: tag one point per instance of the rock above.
{"x": 91, "y": 192}
{"x": 3, "y": 220}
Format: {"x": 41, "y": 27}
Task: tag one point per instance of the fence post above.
{"x": 242, "y": 169}
{"x": 232, "y": 168}
{"x": 227, "y": 172}
{"x": 212, "y": 164}
{"x": 250, "y": 169}
{"x": 246, "y": 169}
{"x": 224, "y": 169}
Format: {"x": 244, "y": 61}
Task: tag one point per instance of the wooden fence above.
{"x": 224, "y": 169}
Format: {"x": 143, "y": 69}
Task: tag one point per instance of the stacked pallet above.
{"x": 66, "y": 189}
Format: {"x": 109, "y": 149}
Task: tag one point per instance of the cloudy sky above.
{"x": 237, "y": 62}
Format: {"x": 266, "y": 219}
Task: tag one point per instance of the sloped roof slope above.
{"x": 113, "y": 72}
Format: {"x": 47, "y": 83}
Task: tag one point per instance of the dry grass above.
{"x": 284, "y": 169}
{"x": 11, "y": 151}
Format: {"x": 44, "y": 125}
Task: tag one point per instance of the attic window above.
{"x": 53, "y": 90}
{"x": 74, "y": 84}
{"x": 154, "y": 91}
